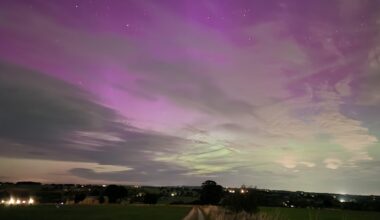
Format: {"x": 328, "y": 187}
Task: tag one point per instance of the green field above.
{"x": 101, "y": 212}
{"x": 158, "y": 212}
{"x": 323, "y": 214}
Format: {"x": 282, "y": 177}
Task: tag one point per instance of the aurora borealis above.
{"x": 277, "y": 94}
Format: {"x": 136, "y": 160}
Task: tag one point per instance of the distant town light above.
{"x": 11, "y": 201}
{"x": 342, "y": 200}
{"x": 139, "y": 194}
{"x": 17, "y": 201}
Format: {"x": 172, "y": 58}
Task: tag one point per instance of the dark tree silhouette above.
{"x": 79, "y": 197}
{"x": 151, "y": 198}
{"x": 4, "y": 194}
{"x": 101, "y": 199}
{"x": 242, "y": 202}
{"x": 115, "y": 193}
{"x": 211, "y": 193}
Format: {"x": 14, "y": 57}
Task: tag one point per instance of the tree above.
{"x": 329, "y": 201}
{"x": 242, "y": 202}
{"x": 211, "y": 193}
{"x": 49, "y": 196}
{"x": 101, "y": 199}
{"x": 151, "y": 198}
{"x": 79, "y": 197}
{"x": 115, "y": 193}
{"x": 4, "y": 194}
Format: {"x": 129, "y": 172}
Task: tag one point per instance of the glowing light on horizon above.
{"x": 242, "y": 191}
{"x": 11, "y": 201}
{"x": 17, "y": 201}
{"x": 31, "y": 201}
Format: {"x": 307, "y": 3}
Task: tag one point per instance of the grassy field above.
{"x": 325, "y": 214}
{"x": 105, "y": 212}
{"x": 144, "y": 212}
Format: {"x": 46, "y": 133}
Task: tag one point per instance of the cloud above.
{"x": 207, "y": 155}
{"x": 291, "y": 162}
{"x": 308, "y": 164}
{"x": 37, "y": 108}
{"x": 44, "y": 118}
{"x": 152, "y": 74}
{"x": 18, "y": 169}
{"x": 178, "y": 97}
{"x": 368, "y": 91}
{"x": 59, "y": 121}
{"x": 288, "y": 162}
{"x": 343, "y": 88}
{"x": 155, "y": 172}
{"x": 344, "y": 131}
{"x": 332, "y": 163}
{"x": 350, "y": 9}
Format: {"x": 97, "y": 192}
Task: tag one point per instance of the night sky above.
{"x": 274, "y": 94}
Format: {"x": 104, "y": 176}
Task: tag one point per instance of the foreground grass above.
{"x": 218, "y": 213}
{"x": 161, "y": 212}
{"x": 101, "y": 212}
{"x": 320, "y": 214}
